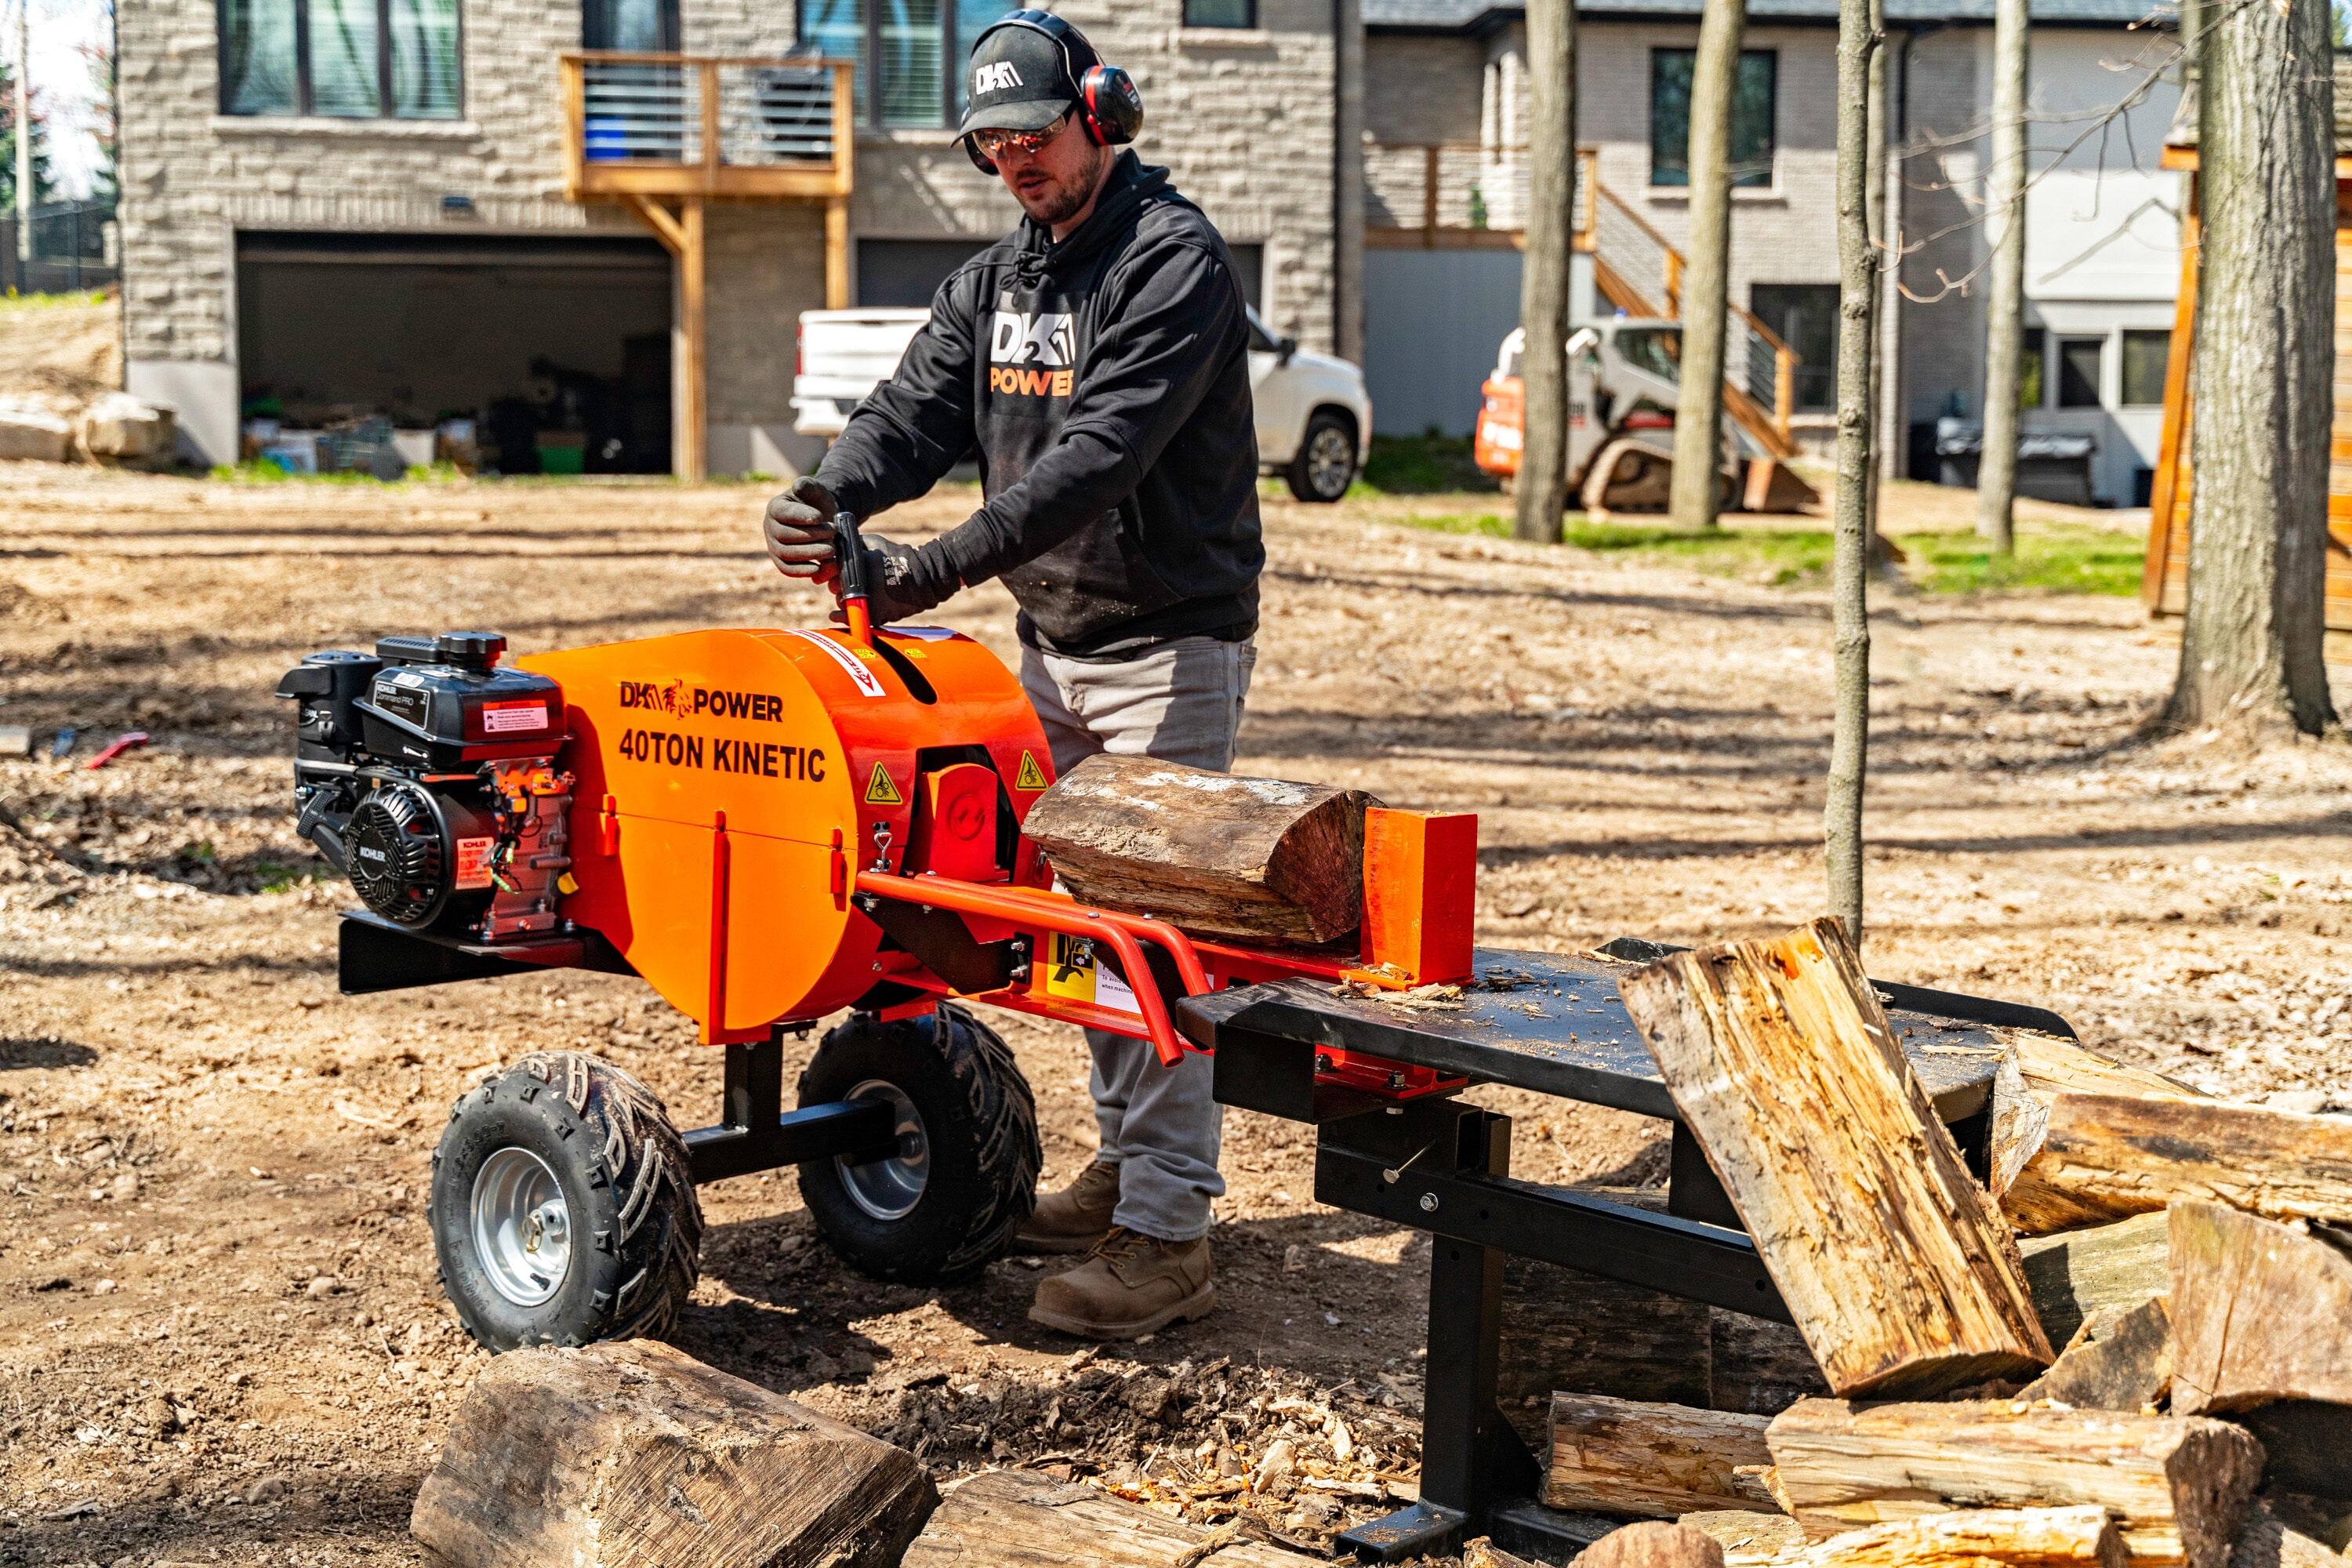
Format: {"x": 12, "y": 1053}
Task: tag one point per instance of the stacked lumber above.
{"x": 1261, "y": 859}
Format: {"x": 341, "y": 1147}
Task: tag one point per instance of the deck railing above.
{"x": 671, "y": 124}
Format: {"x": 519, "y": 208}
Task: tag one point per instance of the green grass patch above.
{"x": 2058, "y": 559}
{"x": 13, "y": 300}
{"x": 1421, "y": 464}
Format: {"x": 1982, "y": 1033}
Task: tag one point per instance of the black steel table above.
{"x": 1552, "y": 1023}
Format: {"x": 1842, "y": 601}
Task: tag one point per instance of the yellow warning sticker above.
{"x": 1030, "y": 775}
{"x": 1075, "y": 975}
{"x": 879, "y": 790}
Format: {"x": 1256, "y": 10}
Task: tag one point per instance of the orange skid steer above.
{"x": 768, "y": 827}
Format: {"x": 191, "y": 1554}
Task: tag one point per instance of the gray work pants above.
{"x": 1181, "y": 702}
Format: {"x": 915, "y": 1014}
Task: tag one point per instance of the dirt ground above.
{"x": 220, "y": 1335}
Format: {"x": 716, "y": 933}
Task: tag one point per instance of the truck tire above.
{"x": 965, "y": 1176}
{"x": 562, "y": 1207}
{"x": 1325, "y": 463}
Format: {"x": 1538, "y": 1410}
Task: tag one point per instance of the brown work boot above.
{"x": 1132, "y": 1284}
{"x": 1077, "y": 1217}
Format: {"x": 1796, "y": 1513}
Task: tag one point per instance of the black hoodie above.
{"x": 1105, "y": 382}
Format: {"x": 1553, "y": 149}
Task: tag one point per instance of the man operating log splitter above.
{"x": 1097, "y": 357}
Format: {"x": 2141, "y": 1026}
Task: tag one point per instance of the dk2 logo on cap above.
{"x": 994, "y": 78}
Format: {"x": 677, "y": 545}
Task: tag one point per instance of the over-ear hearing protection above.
{"x": 1108, "y": 106}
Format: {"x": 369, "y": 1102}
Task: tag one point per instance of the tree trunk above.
{"x": 1698, "y": 415}
{"x": 635, "y": 1453}
{"x": 1628, "y": 1455}
{"x": 1255, "y": 858}
{"x": 1893, "y": 425}
{"x": 1890, "y": 1257}
{"x": 2178, "y": 1487}
{"x": 1543, "y": 480}
{"x": 2264, "y": 1313}
{"x": 1875, "y": 211}
{"x": 1858, "y": 284}
{"x": 2108, "y": 1156}
{"x": 2005, "y": 294}
{"x": 2263, "y": 368}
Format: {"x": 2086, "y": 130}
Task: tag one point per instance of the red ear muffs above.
{"x": 1109, "y": 106}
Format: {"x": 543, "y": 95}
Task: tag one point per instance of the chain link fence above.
{"x": 75, "y": 247}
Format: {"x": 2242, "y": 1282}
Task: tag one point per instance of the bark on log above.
{"x": 2265, "y": 1542}
{"x": 2086, "y": 1276}
{"x": 1259, "y": 859}
{"x": 2263, "y": 1313}
{"x": 2105, "y": 1156}
{"x": 2126, "y": 1367}
{"x": 1653, "y": 1544}
{"x": 1888, "y": 1254}
{"x": 1018, "y": 1519}
{"x": 1631, "y": 1457}
{"x": 638, "y": 1454}
{"x": 2178, "y": 1487}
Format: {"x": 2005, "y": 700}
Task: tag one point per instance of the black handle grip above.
{"x": 850, "y": 552}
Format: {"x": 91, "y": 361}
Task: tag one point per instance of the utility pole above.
{"x": 1697, "y": 483}
{"x": 24, "y": 133}
{"x": 1858, "y": 285}
{"x": 2005, "y": 306}
{"x": 1543, "y": 280}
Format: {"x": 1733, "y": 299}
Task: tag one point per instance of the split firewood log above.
{"x": 2096, "y": 1275}
{"x": 1888, "y": 1254}
{"x": 2034, "y": 1070}
{"x": 2103, "y": 1157}
{"x": 2178, "y": 1487}
{"x": 2126, "y": 1365}
{"x": 1629, "y": 1456}
{"x": 636, "y": 1453}
{"x": 2263, "y": 1311}
{"x": 2081, "y": 1537}
{"x": 1654, "y": 1543}
{"x": 1018, "y": 1519}
{"x": 1260, "y": 859}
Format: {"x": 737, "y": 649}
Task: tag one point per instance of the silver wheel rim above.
{"x": 522, "y": 1227}
{"x": 1330, "y": 461}
{"x": 889, "y": 1189}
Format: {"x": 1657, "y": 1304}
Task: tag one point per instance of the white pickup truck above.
{"x": 1312, "y": 412}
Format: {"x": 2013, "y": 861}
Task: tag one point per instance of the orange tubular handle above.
{"x": 1177, "y": 945}
{"x": 1073, "y": 920}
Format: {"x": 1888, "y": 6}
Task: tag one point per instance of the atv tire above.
{"x": 964, "y": 1178}
{"x": 562, "y": 1207}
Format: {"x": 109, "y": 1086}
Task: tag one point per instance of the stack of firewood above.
{"x": 2128, "y": 1341}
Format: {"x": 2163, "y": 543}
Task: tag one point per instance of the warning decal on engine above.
{"x": 498, "y": 718}
{"x": 879, "y": 790}
{"x": 472, "y": 872}
{"x": 848, "y": 661}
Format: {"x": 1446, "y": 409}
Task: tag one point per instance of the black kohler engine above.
{"x": 426, "y": 774}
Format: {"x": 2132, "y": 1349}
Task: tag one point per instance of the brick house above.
{"x": 534, "y": 224}
{"x": 420, "y": 206}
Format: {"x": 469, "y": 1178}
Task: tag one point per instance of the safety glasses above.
{"x": 996, "y": 145}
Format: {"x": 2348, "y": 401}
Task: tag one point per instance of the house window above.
{"x": 1753, "y": 97}
{"x": 1221, "y": 13}
{"x": 362, "y": 60}
{"x": 1805, "y": 317}
{"x": 635, "y": 26}
{"x": 2078, "y": 372}
{"x": 2146, "y": 357}
{"x": 909, "y": 53}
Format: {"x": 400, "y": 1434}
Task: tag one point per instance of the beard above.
{"x": 1060, "y": 201}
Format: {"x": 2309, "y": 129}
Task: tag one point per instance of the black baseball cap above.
{"x": 1021, "y": 78}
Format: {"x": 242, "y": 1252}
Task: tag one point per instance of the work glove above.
{"x": 899, "y": 581}
{"x": 799, "y": 529}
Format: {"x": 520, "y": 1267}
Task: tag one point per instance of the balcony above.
{"x": 667, "y": 125}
